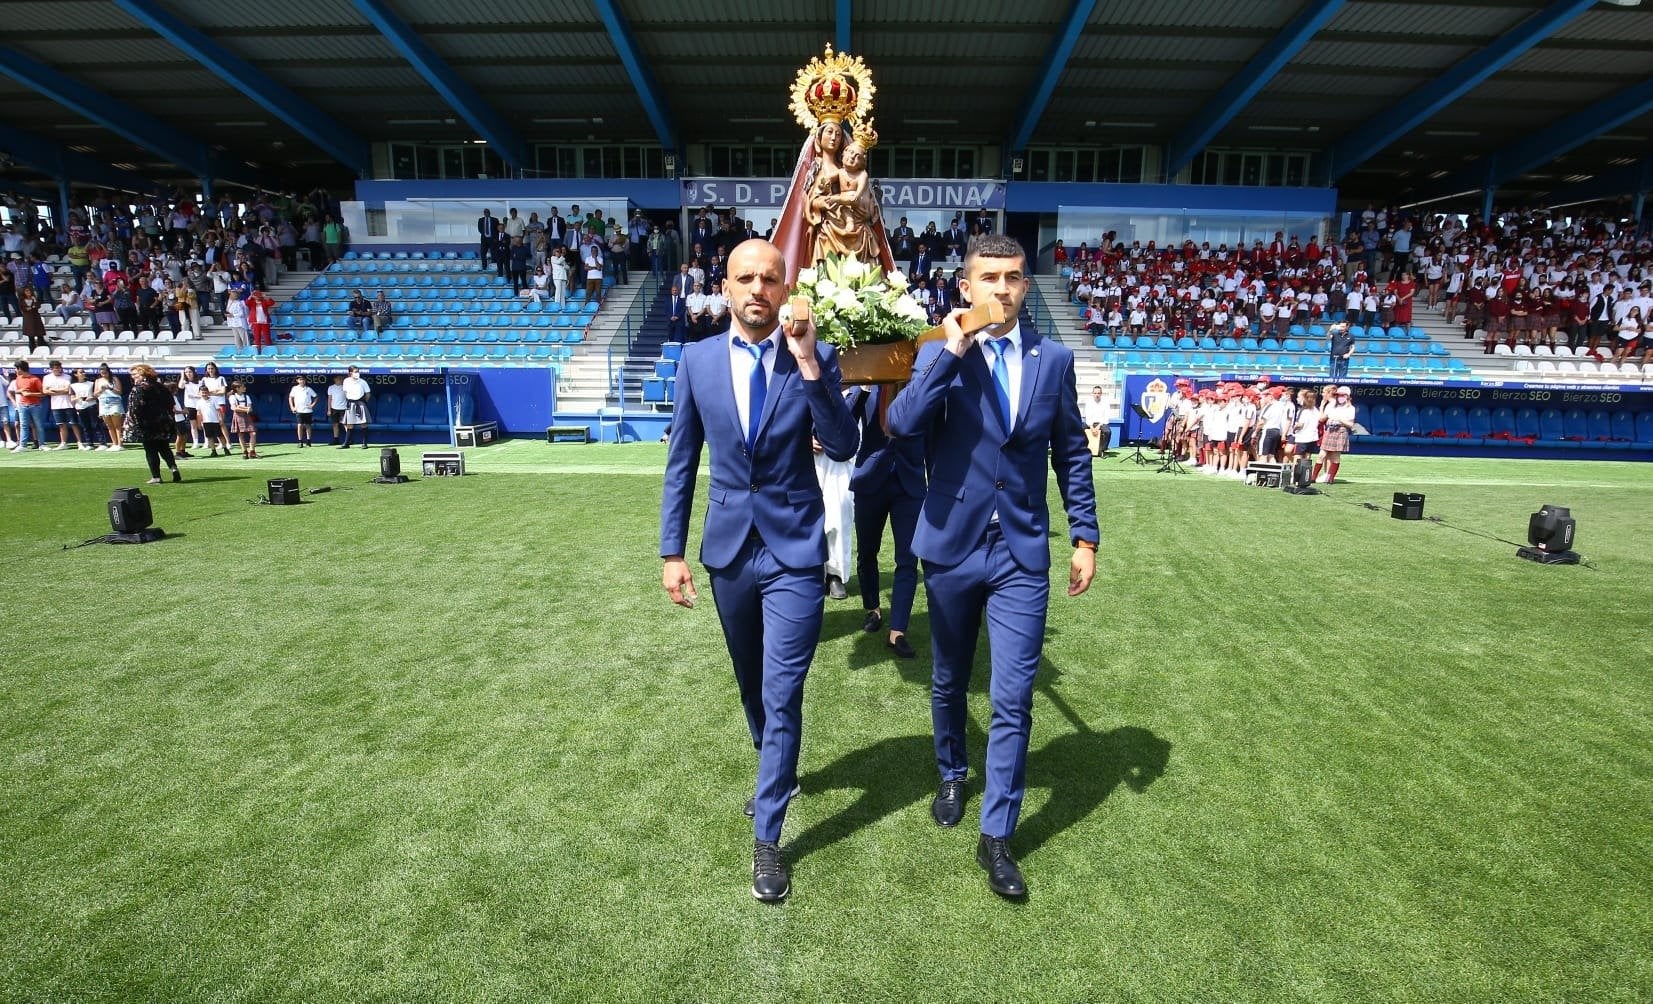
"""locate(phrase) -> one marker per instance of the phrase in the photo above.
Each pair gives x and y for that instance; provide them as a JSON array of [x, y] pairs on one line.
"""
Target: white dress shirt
[[1012, 361], [740, 371]]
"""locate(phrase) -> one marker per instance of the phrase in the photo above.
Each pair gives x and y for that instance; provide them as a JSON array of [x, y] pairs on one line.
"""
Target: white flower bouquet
[[855, 304]]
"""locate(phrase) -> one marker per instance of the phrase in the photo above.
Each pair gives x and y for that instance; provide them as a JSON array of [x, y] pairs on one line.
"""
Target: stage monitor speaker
[[129, 511], [1268, 473], [1406, 505], [1298, 478], [449, 464], [283, 491]]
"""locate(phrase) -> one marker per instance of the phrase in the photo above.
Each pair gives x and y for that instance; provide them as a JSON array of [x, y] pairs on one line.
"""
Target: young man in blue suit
[[757, 395], [998, 411], [888, 484]]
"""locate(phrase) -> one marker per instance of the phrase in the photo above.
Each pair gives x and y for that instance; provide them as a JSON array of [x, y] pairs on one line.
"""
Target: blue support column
[[843, 37], [119, 118], [1369, 138], [642, 78], [1245, 85], [64, 197], [1038, 99], [460, 96], [308, 121], [1486, 203], [206, 190]]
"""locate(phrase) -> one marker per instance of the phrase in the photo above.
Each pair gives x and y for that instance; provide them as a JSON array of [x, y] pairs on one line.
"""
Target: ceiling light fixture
[[931, 121], [1128, 125]]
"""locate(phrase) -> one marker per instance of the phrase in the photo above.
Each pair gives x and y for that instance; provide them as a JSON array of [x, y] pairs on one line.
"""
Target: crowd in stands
[[162, 263], [1524, 279]]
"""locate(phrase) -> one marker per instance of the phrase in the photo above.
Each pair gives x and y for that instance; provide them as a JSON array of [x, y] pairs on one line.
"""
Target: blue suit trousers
[[771, 618], [1016, 602]]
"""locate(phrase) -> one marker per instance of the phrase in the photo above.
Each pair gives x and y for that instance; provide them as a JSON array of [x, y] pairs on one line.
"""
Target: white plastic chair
[[1566, 366], [1522, 350], [1545, 367], [1588, 367], [1542, 350], [146, 336], [127, 336], [1563, 350], [1501, 350], [1523, 366]]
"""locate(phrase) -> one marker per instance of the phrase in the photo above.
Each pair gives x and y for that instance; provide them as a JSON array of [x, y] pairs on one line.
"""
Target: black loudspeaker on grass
[[283, 491], [1407, 505]]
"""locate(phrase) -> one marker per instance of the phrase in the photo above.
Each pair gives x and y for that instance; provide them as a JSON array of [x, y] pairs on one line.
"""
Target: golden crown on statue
[[833, 88], [865, 135]]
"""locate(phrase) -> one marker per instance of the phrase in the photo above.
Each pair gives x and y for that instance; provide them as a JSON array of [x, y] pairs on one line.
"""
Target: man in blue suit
[[998, 410], [888, 484], [758, 395]]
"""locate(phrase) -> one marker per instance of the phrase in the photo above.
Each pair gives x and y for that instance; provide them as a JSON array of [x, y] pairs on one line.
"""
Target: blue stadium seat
[[1623, 427], [574, 337], [1456, 423], [1579, 428], [1271, 345], [1382, 420], [1552, 427], [1644, 428], [1526, 423], [1430, 420], [1397, 332]]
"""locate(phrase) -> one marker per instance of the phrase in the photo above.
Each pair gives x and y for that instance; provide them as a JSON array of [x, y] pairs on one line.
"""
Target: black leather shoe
[[948, 806], [770, 879], [835, 588], [874, 621], [752, 803], [1003, 876], [902, 647]]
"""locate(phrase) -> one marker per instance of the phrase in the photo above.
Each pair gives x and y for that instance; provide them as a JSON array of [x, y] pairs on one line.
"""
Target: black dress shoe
[[948, 806], [874, 621], [902, 647], [752, 803], [1003, 876], [770, 879], [835, 588]]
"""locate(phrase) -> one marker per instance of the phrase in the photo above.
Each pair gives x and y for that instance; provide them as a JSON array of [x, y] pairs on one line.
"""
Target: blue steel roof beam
[[48, 157], [642, 78], [1044, 85], [312, 123], [842, 34], [121, 119], [1571, 132], [460, 96], [1245, 85], [1368, 139]]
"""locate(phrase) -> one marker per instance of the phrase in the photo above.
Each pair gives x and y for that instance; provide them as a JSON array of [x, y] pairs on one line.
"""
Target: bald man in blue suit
[[998, 411], [758, 395]]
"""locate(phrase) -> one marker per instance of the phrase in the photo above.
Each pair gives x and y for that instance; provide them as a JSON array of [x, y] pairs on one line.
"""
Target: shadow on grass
[[1081, 769]]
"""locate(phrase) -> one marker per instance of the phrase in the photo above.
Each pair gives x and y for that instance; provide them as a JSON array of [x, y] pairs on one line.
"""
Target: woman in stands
[[1631, 328], [1340, 422], [1549, 317], [243, 420], [1434, 274], [1406, 291]]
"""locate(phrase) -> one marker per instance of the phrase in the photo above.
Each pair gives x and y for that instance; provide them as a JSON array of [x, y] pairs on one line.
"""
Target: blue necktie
[[1001, 378], [760, 389]]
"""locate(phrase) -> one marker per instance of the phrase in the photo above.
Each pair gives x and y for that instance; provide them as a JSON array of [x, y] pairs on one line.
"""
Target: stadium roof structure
[[1399, 101]]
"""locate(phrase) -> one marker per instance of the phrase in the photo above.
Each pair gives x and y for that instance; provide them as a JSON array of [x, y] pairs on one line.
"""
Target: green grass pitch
[[448, 741]]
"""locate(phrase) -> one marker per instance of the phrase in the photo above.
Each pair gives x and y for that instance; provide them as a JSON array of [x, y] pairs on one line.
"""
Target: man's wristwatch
[[1089, 545]]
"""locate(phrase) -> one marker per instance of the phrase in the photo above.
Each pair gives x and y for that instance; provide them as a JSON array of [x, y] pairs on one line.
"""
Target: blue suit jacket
[[772, 487], [895, 466], [976, 468]]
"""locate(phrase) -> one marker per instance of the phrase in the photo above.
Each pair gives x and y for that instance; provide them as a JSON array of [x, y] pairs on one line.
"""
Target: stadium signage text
[[770, 193]]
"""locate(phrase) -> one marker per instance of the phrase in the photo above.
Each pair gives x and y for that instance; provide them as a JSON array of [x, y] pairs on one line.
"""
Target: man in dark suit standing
[[759, 395], [682, 286], [487, 235], [888, 484], [901, 243], [953, 239], [922, 263], [997, 412]]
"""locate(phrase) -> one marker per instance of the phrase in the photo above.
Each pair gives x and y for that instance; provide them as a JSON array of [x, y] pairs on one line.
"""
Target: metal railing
[[632, 321], [1036, 307]]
